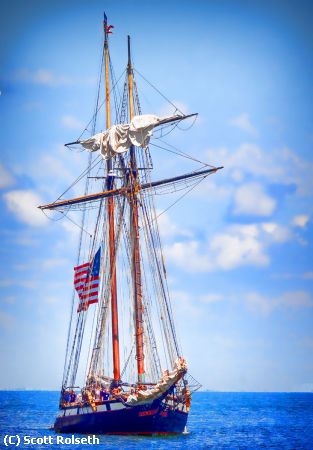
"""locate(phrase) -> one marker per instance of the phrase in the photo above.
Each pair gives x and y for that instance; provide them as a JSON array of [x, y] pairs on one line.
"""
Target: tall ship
[[124, 370]]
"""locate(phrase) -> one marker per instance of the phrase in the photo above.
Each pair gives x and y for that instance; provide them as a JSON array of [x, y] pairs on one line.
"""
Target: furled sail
[[168, 380], [119, 138]]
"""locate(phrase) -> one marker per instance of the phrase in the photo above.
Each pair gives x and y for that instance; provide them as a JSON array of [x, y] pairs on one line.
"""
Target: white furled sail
[[168, 380], [119, 138]]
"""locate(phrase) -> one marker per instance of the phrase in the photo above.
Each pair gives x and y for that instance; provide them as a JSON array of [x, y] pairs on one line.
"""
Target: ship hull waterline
[[147, 419]]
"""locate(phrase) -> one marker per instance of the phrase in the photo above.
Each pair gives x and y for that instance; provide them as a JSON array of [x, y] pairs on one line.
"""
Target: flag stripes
[[86, 282]]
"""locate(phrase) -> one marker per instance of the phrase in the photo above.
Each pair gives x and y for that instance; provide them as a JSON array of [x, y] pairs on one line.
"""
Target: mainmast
[[134, 226], [110, 208]]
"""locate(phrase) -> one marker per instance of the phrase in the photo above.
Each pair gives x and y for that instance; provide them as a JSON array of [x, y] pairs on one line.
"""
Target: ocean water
[[216, 421]]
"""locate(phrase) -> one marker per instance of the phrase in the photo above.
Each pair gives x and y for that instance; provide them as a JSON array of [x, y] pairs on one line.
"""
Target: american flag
[[86, 282]]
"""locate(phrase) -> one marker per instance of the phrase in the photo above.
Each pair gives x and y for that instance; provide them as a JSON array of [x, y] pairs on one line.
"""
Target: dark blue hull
[[153, 418]]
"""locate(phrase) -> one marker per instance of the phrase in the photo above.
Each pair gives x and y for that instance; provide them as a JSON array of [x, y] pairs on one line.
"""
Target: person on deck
[[105, 395], [72, 396], [66, 397], [97, 393]]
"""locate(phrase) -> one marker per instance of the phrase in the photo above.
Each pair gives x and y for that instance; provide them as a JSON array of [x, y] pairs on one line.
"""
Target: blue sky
[[238, 249]]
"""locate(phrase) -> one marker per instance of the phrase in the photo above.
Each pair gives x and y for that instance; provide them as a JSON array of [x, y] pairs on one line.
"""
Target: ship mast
[[134, 226], [110, 209]]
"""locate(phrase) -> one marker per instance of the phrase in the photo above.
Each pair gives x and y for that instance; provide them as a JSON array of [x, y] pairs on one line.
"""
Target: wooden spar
[[127, 191], [82, 199], [134, 223], [111, 208]]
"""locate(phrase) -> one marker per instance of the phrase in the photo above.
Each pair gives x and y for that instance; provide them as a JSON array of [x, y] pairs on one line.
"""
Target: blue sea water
[[216, 421]]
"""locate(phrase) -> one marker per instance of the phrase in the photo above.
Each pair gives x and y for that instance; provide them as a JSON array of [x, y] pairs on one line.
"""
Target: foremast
[[111, 222], [134, 227]]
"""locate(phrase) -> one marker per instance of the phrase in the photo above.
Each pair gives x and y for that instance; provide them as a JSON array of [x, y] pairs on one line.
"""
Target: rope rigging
[[132, 183]]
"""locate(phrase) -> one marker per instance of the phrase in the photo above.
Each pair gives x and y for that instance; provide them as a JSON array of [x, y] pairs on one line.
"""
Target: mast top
[[129, 65], [107, 28]]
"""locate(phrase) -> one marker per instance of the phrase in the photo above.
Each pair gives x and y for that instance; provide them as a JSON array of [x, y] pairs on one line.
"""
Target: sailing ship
[[122, 342]]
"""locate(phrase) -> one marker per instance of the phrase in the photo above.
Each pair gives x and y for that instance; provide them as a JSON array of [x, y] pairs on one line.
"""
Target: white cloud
[[240, 245], [188, 256], [72, 122], [276, 233], [259, 303], [300, 220], [6, 178], [24, 205], [250, 199], [281, 165], [236, 246], [243, 123]]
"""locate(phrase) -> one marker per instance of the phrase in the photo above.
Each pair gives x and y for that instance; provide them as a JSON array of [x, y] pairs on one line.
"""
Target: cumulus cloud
[[300, 220], [243, 122], [238, 245], [251, 199], [6, 178], [23, 204]]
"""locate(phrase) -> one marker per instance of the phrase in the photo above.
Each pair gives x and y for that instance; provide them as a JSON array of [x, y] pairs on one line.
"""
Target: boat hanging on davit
[[124, 369]]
